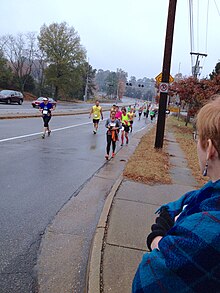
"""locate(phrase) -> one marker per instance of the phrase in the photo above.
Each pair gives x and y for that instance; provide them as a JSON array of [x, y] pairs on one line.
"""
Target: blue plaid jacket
[[188, 259]]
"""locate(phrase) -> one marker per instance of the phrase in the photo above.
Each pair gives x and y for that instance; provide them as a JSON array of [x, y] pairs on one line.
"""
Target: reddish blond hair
[[208, 123]]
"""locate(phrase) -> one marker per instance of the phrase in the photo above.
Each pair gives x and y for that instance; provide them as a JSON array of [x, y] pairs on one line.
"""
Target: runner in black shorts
[[131, 116], [125, 126], [96, 113], [45, 108]]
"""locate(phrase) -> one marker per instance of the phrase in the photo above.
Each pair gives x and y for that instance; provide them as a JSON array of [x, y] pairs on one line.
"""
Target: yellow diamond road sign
[[159, 78]]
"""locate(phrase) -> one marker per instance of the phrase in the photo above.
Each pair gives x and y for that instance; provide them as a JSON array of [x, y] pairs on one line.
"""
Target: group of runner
[[119, 122], [148, 111]]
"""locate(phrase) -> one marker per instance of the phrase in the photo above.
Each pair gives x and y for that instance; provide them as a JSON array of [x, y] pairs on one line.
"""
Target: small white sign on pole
[[163, 87]]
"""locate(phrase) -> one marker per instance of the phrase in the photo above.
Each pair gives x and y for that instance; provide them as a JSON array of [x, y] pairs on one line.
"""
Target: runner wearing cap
[[45, 108]]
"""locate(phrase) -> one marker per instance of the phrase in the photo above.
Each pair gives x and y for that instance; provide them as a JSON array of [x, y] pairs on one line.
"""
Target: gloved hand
[[162, 224]]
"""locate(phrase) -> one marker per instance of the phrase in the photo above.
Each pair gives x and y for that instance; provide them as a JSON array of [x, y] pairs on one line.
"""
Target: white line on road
[[146, 125], [38, 133], [54, 130], [141, 129]]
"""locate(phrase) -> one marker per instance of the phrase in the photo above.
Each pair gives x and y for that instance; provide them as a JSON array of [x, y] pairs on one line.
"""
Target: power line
[[207, 21], [196, 68], [217, 8], [191, 29], [197, 25]]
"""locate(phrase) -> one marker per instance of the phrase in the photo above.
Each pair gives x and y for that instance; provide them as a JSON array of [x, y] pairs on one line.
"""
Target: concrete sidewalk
[[120, 239]]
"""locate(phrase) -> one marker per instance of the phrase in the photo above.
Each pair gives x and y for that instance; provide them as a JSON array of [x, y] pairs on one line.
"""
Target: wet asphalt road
[[37, 178]]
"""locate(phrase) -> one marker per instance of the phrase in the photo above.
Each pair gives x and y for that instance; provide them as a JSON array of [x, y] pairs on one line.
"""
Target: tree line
[[116, 85], [52, 63]]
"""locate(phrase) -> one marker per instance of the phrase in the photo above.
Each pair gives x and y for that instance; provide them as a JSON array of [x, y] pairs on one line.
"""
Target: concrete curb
[[38, 115], [21, 116], [95, 257], [93, 280]]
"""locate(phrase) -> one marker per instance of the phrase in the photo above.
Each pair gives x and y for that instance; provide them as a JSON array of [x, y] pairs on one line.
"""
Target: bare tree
[[20, 51], [38, 70]]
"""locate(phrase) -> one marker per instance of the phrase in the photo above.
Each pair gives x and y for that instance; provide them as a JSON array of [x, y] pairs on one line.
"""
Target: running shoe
[[43, 136], [127, 141], [122, 144], [49, 132], [113, 155], [107, 157], [94, 131]]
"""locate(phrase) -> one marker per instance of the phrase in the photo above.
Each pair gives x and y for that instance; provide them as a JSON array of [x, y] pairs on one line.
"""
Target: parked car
[[37, 102], [9, 96]]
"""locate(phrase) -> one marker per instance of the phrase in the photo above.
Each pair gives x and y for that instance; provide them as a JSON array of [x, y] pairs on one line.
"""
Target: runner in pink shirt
[[118, 113]]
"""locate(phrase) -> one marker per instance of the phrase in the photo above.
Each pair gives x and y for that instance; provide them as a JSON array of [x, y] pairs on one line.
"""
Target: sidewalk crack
[[138, 201], [128, 247]]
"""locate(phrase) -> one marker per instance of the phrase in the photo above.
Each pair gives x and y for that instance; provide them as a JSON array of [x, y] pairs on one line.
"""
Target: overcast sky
[[124, 34]]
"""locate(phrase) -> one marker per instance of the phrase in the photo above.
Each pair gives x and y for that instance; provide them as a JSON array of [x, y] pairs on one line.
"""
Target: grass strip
[[147, 164]]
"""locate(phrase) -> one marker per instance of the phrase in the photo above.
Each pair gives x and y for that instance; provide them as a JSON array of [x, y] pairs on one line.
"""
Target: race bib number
[[45, 112], [122, 128], [95, 115], [112, 124]]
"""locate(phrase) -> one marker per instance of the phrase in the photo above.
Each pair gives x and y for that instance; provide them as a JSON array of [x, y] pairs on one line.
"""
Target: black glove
[[162, 224]]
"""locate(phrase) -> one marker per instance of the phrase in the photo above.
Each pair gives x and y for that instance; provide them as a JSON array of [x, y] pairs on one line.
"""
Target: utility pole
[[196, 67], [165, 74], [86, 89], [179, 68], [117, 97], [87, 81]]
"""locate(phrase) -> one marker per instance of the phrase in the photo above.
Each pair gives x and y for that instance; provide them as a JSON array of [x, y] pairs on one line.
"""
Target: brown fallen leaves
[[151, 166], [147, 164]]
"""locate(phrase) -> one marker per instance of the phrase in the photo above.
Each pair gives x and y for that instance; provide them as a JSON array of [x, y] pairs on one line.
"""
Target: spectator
[[185, 240]]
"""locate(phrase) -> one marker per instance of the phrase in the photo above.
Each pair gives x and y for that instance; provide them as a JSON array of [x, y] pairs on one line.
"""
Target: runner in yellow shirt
[[96, 113], [125, 126], [131, 116]]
